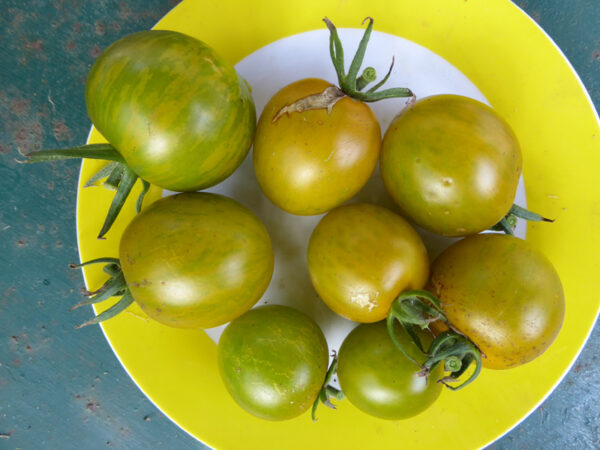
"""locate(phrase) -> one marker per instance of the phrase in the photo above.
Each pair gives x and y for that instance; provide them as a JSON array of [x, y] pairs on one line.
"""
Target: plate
[[488, 50]]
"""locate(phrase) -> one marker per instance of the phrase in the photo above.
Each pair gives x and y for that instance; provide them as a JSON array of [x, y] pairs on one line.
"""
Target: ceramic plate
[[491, 51]]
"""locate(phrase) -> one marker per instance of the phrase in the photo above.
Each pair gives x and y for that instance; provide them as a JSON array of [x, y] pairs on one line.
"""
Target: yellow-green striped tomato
[[452, 165], [361, 256], [273, 361], [196, 260], [178, 113]]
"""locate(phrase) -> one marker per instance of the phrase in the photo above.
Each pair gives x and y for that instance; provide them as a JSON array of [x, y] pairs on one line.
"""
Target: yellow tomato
[[361, 256], [311, 161]]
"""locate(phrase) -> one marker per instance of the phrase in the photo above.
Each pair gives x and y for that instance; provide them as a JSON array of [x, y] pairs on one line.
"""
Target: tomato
[[503, 294], [311, 161], [361, 256], [273, 361], [452, 165], [196, 260], [175, 110], [379, 380]]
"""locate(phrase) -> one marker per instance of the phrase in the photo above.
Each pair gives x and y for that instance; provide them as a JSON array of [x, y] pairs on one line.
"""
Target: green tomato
[[501, 293], [273, 361], [361, 256], [176, 111], [379, 380], [196, 260], [451, 164]]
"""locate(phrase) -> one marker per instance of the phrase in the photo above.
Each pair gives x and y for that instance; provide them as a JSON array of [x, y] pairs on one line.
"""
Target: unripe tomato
[[361, 256], [273, 361], [175, 110], [379, 380], [311, 161], [501, 293], [452, 165], [196, 260]]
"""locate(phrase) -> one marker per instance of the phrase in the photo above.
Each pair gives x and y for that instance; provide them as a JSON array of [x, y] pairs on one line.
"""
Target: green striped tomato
[[196, 260], [176, 111], [273, 361]]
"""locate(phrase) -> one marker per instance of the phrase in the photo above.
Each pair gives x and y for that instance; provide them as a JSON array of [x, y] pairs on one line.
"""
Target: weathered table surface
[[65, 389]]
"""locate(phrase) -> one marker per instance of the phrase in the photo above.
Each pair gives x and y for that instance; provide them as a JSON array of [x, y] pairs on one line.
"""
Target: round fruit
[[311, 161], [273, 361], [379, 380], [175, 110], [196, 260], [501, 293], [361, 256], [452, 165]]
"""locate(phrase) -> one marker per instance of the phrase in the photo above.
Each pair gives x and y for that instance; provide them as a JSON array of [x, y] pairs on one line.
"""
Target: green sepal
[[413, 308], [117, 174], [328, 392], [457, 351], [115, 286], [349, 83], [121, 305], [140, 199], [90, 151], [126, 183], [101, 174], [508, 223]]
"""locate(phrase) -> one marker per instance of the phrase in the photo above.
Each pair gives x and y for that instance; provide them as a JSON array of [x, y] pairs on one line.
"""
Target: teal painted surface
[[61, 388]]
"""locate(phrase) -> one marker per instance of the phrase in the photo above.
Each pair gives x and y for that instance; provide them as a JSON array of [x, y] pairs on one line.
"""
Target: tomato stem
[[458, 353], [328, 392], [368, 75], [508, 223], [350, 83]]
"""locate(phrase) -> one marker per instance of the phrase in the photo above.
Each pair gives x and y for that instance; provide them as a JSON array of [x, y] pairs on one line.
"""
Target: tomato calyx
[[115, 286], [458, 353], [421, 308], [328, 392], [409, 310], [508, 223], [119, 176], [351, 83]]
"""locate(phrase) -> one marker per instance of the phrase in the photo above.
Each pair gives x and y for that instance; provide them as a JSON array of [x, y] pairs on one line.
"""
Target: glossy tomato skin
[[178, 113], [452, 165], [311, 161], [273, 361], [503, 294], [379, 380], [361, 256], [196, 260]]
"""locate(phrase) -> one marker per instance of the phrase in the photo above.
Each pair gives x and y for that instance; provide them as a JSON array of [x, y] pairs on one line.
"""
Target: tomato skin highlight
[[452, 165], [361, 256], [196, 260], [176, 111], [312, 161], [502, 294], [273, 361], [379, 380]]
